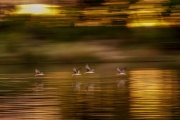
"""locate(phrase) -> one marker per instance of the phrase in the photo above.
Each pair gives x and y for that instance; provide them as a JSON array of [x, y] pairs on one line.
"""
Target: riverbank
[[87, 52], [36, 44]]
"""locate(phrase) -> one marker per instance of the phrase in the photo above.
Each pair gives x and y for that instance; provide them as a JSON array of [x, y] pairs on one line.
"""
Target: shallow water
[[149, 91]]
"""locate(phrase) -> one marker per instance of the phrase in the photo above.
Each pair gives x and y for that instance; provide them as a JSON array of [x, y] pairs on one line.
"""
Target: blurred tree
[[170, 6], [6, 8], [89, 3], [133, 1], [175, 2]]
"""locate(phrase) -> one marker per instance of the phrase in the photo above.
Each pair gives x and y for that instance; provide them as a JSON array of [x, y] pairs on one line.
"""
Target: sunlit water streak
[[145, 93], [151, 92]]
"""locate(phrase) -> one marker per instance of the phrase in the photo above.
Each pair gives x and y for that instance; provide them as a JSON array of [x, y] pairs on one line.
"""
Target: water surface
[[149, 91]]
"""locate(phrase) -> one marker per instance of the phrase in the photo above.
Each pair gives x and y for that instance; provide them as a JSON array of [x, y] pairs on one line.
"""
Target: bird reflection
[[39, 86], [77, 86], [121, 83], [89, 87]]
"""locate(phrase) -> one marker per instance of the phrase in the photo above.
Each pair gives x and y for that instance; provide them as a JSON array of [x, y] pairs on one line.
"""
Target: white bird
[[38, 73], [76, 72], [88, 69], [121, 71]]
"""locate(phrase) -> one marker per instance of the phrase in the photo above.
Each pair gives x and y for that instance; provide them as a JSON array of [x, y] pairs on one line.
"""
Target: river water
[[149, 91]]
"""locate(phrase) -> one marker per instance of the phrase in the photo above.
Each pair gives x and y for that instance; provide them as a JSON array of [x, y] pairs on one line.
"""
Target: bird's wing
[[37, 71], [78, 70], [124, 69], [119, 70], [74, 70], [87, 67]]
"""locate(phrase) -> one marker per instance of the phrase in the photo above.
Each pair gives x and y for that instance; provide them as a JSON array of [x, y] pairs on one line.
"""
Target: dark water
[[149, 91]]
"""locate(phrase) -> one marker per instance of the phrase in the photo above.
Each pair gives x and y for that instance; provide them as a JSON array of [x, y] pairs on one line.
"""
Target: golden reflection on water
[[147, 94], [151, 93]]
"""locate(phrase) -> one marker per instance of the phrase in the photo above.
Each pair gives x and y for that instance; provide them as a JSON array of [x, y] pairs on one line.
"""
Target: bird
[[76, 72], [121, 71], [88, 69], [38, 72]]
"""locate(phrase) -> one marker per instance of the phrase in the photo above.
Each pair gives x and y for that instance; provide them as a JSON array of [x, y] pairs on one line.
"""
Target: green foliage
[[175, 2], [77, 33]]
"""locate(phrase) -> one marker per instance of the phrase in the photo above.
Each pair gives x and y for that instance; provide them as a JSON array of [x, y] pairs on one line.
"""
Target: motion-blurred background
[[66, 31]]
